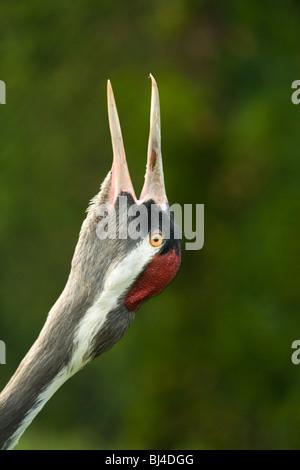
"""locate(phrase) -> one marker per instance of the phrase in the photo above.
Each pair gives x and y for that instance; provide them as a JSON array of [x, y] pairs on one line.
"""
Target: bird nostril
[[153, 160]]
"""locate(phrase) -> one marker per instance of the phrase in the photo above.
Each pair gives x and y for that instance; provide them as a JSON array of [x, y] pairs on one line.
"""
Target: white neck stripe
[[117, 283]]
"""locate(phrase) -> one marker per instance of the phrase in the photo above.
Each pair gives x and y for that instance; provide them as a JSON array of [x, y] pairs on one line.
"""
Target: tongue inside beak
[[154, 186], [120, 178]]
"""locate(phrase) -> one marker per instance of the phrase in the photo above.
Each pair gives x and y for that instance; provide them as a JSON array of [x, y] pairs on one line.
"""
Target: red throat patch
[[158, 274]]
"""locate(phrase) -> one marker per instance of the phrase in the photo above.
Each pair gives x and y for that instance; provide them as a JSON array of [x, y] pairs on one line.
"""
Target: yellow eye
[[156, 239]]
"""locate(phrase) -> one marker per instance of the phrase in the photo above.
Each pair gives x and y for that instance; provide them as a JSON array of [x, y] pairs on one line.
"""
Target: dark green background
[[207, 364]]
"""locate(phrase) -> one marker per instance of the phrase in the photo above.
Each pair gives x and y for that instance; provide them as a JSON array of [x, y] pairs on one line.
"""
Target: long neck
[[78, 329], [25, 395], [88, 319], [43, 370]]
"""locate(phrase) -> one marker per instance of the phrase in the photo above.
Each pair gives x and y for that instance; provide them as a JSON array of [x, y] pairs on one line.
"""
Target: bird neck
[[24, 397], [46, 366], [42, 371], [88, 319], [79, 327]]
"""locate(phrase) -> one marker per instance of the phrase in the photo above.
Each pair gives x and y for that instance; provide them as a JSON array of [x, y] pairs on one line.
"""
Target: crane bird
[[109, 279]]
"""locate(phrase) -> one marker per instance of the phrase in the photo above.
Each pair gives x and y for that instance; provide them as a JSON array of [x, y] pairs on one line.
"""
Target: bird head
[[129, 249]]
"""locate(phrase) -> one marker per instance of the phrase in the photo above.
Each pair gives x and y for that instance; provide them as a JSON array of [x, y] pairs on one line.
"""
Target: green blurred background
[[207, 364]]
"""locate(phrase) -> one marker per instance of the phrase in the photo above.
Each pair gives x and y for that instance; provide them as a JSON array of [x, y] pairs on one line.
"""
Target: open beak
[[154, 186]]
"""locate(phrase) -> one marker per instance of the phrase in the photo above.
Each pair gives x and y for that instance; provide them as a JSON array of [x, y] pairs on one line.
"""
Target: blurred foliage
[[207, 363]]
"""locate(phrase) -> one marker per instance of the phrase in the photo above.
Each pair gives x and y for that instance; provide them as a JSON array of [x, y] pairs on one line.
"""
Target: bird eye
[[156, 239]]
